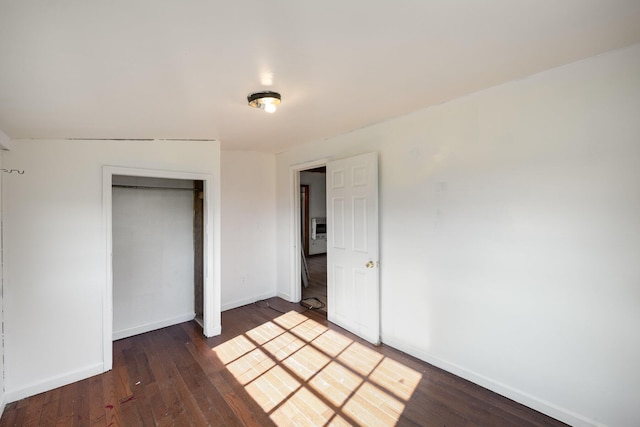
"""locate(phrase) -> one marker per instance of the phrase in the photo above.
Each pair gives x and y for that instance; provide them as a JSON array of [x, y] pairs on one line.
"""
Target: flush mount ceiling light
[[267, 101]]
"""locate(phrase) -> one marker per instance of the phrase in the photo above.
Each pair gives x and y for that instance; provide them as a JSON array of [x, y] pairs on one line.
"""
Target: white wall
[[248, 234], [153, 259], [55, 251], [5, 141], [317, 183], [510, 236]]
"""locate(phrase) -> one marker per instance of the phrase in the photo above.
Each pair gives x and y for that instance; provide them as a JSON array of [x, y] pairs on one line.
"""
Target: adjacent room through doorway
[[313, 230]]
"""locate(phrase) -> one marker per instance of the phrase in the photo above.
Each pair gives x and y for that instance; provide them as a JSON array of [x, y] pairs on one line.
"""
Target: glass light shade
[[269, 107], [267, 101]]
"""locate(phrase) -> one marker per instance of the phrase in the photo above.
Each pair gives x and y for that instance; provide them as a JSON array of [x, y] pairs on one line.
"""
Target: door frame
[[211, 256], [304, 227], [295, 271]]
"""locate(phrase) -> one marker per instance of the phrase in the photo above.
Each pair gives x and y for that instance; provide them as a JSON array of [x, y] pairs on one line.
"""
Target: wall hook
[[12, 171]]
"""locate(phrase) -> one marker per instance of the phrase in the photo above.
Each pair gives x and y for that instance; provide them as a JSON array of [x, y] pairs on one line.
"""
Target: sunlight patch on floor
[[306, 362], [336, 382], [303, 408], [265, 333], [360, 358], [231, 350], [284, 346], [302, 373], [395, 377], [250, 366]]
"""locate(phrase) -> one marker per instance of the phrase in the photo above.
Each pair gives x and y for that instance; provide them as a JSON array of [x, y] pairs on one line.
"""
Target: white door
[[352, 245]]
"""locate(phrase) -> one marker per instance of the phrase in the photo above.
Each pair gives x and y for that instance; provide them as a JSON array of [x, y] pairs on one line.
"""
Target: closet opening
[[157, 253], [210, 235]]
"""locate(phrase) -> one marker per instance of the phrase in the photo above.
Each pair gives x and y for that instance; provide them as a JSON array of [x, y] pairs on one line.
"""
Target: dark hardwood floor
[[267, 368], [317, 265]]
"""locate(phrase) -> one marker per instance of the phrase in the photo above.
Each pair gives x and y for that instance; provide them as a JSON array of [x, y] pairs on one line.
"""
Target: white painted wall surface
[[5, 141], [510, 236], [153, 278], [317, 193], [55, 251], [248, 234]]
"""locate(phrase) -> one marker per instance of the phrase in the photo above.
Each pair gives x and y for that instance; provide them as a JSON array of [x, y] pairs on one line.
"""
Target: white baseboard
[[124, 333], [285, 296], [52, 382], [519, 396], [245, 301]]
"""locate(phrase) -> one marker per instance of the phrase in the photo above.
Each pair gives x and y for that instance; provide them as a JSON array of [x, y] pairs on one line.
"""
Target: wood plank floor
[[317, 265], [267, 368]]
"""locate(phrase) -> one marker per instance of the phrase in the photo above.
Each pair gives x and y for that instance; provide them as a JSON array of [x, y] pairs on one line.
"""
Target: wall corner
[[5, 142]]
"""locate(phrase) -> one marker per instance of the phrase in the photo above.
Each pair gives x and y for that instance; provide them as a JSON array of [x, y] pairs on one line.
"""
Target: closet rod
[[142, 187]]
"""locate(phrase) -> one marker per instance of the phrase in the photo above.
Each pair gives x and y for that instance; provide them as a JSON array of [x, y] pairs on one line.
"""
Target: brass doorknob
[[370, 264]]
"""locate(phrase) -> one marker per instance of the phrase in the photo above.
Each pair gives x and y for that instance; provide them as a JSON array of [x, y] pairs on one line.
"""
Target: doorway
[[210, 249], [157, 253], [353, 292], [313, 213]]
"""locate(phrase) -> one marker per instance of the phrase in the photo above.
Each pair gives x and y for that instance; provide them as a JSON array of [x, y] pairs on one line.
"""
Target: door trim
[[305, 226], [295, 273], [211, 289]]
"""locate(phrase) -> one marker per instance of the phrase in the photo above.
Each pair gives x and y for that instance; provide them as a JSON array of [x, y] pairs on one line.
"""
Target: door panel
[[360, 225], [352, 248], [338, 223]]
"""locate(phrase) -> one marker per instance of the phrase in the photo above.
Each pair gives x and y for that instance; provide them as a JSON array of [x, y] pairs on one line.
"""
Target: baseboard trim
[[540, 405], [285, 296], [53, 382], [125, 333], [245, 301]]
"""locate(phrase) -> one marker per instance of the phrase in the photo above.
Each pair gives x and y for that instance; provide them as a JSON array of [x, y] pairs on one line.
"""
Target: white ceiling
[[182, 69]]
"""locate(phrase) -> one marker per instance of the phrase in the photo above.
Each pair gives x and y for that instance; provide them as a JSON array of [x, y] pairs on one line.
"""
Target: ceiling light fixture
[[267, 101]]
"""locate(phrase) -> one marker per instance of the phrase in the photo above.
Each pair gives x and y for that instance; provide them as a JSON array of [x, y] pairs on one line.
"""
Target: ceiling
[[169, 69]]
